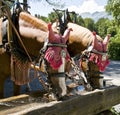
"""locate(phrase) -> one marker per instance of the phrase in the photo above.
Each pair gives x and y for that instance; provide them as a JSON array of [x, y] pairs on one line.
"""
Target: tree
[[45, 19], [112, 29], [52, 17], [80, 20], [89, 23], [101, 26], [113, 7]]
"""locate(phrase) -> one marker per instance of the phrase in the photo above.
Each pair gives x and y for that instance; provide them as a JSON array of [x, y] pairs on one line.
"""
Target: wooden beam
[[87, 104], [14, 98]]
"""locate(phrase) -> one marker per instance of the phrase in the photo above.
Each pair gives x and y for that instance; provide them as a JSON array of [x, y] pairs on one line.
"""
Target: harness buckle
[[104, 57]]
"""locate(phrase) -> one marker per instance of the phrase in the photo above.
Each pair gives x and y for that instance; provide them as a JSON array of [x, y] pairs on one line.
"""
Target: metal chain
[[77, 70]]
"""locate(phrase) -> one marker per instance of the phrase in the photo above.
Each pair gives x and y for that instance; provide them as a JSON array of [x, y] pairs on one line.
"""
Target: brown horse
[[35, 36], [79, 41], [29, 34]]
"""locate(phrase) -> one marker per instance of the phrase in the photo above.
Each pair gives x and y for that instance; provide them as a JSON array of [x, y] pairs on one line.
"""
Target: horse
[[26, 36], [5, 56], [94, 62]]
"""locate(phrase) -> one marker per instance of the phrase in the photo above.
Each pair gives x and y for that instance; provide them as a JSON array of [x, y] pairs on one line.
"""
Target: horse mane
[[35, 22]]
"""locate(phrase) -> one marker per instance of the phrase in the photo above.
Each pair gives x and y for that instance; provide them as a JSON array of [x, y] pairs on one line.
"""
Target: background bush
[[114, 49]]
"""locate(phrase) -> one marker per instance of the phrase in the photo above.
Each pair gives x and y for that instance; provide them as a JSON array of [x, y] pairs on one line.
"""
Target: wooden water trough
[[89, 103]]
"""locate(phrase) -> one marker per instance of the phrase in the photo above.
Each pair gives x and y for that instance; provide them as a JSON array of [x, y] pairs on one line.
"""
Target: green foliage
[[113, 7], [52, 17], [102, 26], [80, 21], [89, 23], [43, 18], [114, 49]]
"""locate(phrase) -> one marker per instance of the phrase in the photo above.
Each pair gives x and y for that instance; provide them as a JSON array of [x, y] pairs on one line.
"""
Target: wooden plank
[[87, 104], [14, 98]]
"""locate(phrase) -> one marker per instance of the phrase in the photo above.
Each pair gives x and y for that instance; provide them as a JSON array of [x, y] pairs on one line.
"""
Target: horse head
[[99, 52], [57, 57]]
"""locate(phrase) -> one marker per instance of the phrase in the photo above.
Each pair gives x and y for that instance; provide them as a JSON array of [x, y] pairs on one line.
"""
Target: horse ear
[[94, 39], [106, 40], [66, 34], [49, 26], [51, 33], [94, 33]]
